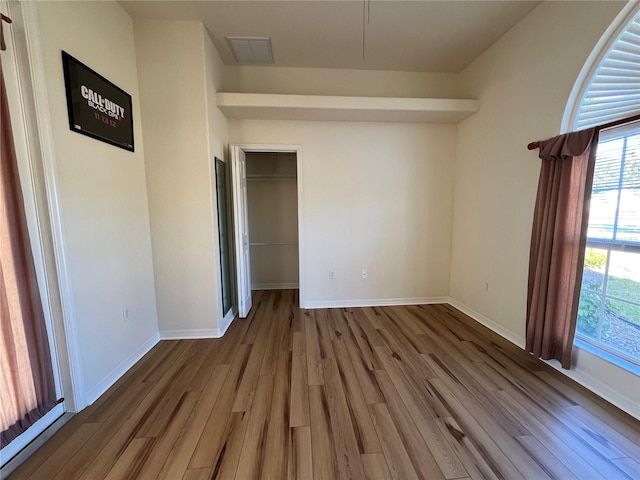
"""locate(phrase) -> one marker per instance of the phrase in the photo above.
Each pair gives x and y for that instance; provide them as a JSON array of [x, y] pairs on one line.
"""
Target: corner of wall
[[218, 131], [178, 163], [489, 323]]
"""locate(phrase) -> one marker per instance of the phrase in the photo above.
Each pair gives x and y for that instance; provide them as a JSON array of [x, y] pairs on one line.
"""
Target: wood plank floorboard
[[404, 392]]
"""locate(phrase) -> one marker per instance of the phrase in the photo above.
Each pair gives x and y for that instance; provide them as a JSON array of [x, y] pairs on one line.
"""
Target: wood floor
[[364, 393]]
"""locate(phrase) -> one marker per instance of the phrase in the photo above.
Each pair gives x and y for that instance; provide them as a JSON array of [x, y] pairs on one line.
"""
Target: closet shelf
[[263, 106]]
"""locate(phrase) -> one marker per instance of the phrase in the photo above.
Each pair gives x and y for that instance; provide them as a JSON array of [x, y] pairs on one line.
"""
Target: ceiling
[[414, 36]]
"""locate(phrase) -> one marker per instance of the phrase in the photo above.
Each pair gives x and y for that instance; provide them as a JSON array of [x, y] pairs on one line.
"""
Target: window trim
[[615, 358], [596, 346], [569, 122]]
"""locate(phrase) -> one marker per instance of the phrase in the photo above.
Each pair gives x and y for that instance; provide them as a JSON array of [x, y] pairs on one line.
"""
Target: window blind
[[614, 89], [615, 201]]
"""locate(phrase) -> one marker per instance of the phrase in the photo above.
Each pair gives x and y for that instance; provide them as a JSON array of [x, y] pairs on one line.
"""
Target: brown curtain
[[558, 242], [27, 390]]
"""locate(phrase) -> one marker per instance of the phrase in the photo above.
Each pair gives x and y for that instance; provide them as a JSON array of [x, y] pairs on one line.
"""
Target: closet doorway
[[267, 220]]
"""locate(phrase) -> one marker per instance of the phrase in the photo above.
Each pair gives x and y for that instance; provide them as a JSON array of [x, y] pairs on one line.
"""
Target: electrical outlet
[[125, 315], [365, 274], [332, 274]]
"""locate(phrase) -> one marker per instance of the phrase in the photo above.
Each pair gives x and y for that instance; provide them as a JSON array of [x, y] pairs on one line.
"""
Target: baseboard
[[274, 286], [226, 321], [102, 386], [374, 302], [189, 334], [13, 454], [600, 388], [195, 333], [585, 379], [8, 467], [490, 324]]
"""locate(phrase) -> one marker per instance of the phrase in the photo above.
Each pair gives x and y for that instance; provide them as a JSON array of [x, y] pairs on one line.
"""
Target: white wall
[[182, 131], [375, 196], [103, 200], [218, 135], [523, 82], [325, 81]]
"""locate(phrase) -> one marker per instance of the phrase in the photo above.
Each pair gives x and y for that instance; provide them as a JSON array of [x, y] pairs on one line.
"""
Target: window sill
[[609, 357]]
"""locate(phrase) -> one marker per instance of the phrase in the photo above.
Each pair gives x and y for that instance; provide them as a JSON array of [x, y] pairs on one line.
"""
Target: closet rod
[[262, 244], [270, 177]]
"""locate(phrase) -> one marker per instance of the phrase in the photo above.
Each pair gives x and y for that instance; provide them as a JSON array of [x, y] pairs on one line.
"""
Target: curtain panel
[[558, 243], [27, 390]]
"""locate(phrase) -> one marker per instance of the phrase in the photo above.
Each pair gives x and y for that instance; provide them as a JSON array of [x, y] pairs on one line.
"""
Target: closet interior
[[272, 204]]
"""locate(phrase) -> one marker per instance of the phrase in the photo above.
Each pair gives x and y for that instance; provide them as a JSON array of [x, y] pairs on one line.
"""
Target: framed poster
[[97, 108]]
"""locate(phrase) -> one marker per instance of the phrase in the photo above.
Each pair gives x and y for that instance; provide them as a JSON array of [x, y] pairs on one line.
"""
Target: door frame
[[241, 230], [275, 148], [25, 78]]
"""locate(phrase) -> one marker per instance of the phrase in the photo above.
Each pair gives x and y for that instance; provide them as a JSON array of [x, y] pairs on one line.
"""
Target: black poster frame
[[103, 112]]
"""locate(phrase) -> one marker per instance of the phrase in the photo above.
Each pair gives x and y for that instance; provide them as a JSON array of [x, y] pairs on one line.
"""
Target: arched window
[[607, 90], [608, 87]]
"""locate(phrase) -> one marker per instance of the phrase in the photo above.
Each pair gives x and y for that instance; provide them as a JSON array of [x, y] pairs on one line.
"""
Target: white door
[[241, 226]]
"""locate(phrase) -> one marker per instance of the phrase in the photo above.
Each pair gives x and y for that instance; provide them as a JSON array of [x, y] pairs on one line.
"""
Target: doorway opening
[[267, 220]]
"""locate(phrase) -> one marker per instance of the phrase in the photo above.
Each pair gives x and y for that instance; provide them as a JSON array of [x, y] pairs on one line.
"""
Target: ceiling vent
[[251, 49]]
